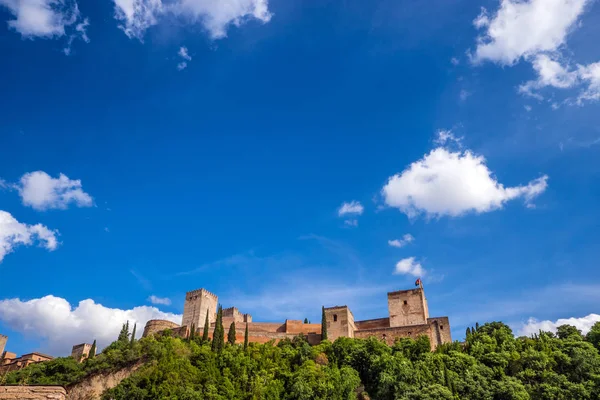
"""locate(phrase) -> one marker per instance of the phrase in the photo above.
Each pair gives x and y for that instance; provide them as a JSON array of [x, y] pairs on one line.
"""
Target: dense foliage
[[490, 365]]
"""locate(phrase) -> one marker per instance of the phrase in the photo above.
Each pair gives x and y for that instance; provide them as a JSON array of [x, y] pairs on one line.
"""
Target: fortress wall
[[297, 327], [157, 325], [373, 323], [407, 307], [440, 330], [32, 393], [389, 335]]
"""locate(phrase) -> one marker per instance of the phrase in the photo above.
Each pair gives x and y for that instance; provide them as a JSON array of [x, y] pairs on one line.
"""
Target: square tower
[[408, 307], [81, 351], [3, 340], [197, 304], [340, 322]]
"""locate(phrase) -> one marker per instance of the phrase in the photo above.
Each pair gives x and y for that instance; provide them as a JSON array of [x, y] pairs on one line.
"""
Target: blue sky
[[279, 153]]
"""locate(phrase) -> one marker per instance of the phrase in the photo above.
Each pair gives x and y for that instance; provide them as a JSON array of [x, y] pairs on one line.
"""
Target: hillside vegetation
[[490, 365]]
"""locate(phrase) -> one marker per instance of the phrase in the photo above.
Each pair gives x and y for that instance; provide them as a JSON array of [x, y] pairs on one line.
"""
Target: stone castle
[[408, 317]]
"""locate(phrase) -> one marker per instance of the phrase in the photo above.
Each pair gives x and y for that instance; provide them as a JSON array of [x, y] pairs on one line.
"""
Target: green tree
[[306, 320], [246, 337], [593, 336], [206, 328], [192, 332], [568, 332], [231, 334], [219, 333], [323, 325], [92, 352], [124, 334], [133, 334]]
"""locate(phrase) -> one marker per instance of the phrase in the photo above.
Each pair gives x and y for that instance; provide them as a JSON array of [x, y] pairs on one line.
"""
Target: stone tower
[[3, 340], [197, 303], [340, 322], [408, 307]]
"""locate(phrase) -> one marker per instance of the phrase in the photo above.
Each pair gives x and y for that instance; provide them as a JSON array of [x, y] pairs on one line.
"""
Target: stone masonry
[[408, 317], [32, 393], [81, 351], [3, 340]]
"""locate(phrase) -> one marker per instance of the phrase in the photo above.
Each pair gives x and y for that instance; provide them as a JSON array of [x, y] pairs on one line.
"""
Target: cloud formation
[[14, 234], [406, 239], [42, 192], [136, 16], [159, 300], [183, 53], [353, 207], [44, 18], [453, 183], [409, 266], [584, 324], [61, 325], [520, 29], [536, 31]]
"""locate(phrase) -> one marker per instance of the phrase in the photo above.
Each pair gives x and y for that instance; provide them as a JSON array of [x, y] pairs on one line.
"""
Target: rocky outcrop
[[92, 387]]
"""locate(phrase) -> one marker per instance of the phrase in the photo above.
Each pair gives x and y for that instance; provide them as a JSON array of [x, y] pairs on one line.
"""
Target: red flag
[[418, 282]]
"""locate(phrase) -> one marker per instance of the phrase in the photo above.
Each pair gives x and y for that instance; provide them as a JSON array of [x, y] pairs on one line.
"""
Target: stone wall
[[32, 393], [92, 387], [389, 335], [81, 351], [440, 330], [407, 307], [158, 325], [3, 340], [373, 323]]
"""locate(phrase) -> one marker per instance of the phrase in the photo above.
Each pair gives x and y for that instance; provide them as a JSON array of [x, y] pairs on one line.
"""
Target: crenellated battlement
[[199, 292]]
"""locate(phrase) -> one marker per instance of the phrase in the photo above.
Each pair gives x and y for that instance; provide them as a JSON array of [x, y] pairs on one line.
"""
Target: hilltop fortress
[[408, 317]]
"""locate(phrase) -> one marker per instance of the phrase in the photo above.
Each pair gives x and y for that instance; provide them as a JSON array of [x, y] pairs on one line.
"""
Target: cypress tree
[[192, 332], [133, 334], [323, 325], [468, 333], [246, 337], [124, 334], [306, 320], [476, 326], [231, 333], [219, 332], [206, 328], [92, 352]]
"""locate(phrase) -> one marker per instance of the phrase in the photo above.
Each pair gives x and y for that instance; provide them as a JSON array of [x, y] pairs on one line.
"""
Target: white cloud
[[550, 73], [215, 16], [14, 233], [446, 135], [353, 207], [183, 53], [41, 18], [527, 108], [61, 325], [524, 28], [80, 32], [533, 326], [409, 266], [590, 74], [406, 239], [351, 222], [159, 300], [40, 191], [454, 61], [446, 183]]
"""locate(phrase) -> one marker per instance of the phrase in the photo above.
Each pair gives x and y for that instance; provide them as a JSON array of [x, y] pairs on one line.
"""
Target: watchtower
[[3, 340], [340, 322], [408, 307], [197, 304]]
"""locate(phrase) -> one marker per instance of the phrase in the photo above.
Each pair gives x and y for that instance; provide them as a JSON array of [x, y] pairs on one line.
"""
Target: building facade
[[10, 362], [81, 351], [407, 309]]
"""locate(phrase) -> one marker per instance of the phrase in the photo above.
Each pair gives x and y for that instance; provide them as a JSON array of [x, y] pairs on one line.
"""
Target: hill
[[490, 365]]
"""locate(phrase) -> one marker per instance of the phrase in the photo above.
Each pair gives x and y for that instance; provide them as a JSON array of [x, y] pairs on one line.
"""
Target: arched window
[[334, 317]]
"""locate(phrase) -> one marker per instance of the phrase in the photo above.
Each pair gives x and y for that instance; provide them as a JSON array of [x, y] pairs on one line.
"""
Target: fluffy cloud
[[40, 191], [159, 300], [353, 207], [215, 16], [14, 233], [60, 325], [447, 183], [42, 18], [406, 239], [525, 28], [534, 326], [409, 266]]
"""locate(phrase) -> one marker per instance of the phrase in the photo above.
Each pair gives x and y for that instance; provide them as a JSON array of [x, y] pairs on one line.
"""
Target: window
[[334, 317], [405, 302], [442, 327], [409, 333]]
